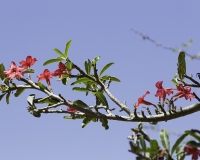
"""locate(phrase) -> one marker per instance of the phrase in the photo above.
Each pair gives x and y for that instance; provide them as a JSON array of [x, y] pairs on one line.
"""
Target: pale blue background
[[96, 28]]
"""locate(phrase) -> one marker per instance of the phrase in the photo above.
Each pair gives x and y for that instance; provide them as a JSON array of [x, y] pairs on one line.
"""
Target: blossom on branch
[[45, 75], [28, 63], [61, 70], [162, 92], [183, 92], [195, 152], [14, 71], [142, 101], [71, 109]]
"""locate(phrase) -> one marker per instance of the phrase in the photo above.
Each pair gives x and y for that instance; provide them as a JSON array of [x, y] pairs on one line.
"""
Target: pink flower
[[28, 63], [46, 75], [183, 92], [142, 101], [61, 70], [14, 71], [162, 92], [71, 109], [192, 151]]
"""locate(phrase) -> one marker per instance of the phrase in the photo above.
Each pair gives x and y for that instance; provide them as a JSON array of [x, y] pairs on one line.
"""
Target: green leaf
[[154, 148], [180, 153], [181, 65], [75, 117], [36, 113], [101, 97], [86, 121], [2, 75], [165, 139], [46, 100], [94, 120], [85, 79], [30, 99], [80, 103], [66, 80], [80, 89], [142, 142], [88, 66], [19, 91], [193, 134], [30, 70], [59, 53], [111, 78], [95, 60], [193, 144], [175, 79], [178, 141], [67, 48], [104, 123], [7, 97], [53, 61], [69, 66], [105, 68], [1, 96], [41, 85]]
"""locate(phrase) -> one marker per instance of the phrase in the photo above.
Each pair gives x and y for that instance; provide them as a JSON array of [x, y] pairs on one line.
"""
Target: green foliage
[[7, 97], [80, 89], [143, 143], [59, 59], [105, 68], [65, 80], [67, 48], [69, 66], [74, 117], [86, 121], [35, 113], [178, 142], [59, 53], [175, 79], [19, 91], [164, 137], [110, 78], [30, 99], [30, 70], [84, 79], [2, 95], [80, 104], [104, 123], [181, 65], [101, 97], [41, 85], [88, 66], [95, 60], [2, 75]]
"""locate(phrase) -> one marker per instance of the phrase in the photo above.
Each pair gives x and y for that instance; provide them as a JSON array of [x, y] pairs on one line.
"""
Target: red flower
[[192, 151], [46, 75], [61, 70], [28, 63], [183, 92], [71, 109], [14, 71], [142, 101], [162, 92]]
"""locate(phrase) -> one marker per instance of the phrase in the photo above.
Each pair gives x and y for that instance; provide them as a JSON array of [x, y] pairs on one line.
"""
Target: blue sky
[[97, 28]]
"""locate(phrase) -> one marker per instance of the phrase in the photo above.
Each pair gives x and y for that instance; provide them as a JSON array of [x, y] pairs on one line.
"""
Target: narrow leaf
[[193, 134], [69, 66], [75, 117], [101, 97], [111, 78], [29, 71], [105, 68], [80, 103], [143, 143], [30, 99], [85, 79], [1, 96], [180, 153], [19, 91], [66, 80], [154, 148], [59, 53], [41, 85], [178, 141], [104, 123], [193, 144], [80, 89], [7, 97], [86, 121], [95, 60], [181, 65], [67, 48], [53, 61], [88, 66], [165, 139]]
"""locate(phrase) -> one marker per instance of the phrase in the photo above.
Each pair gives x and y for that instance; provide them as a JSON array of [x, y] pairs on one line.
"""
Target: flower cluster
[[163, 92], [195, 152]]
